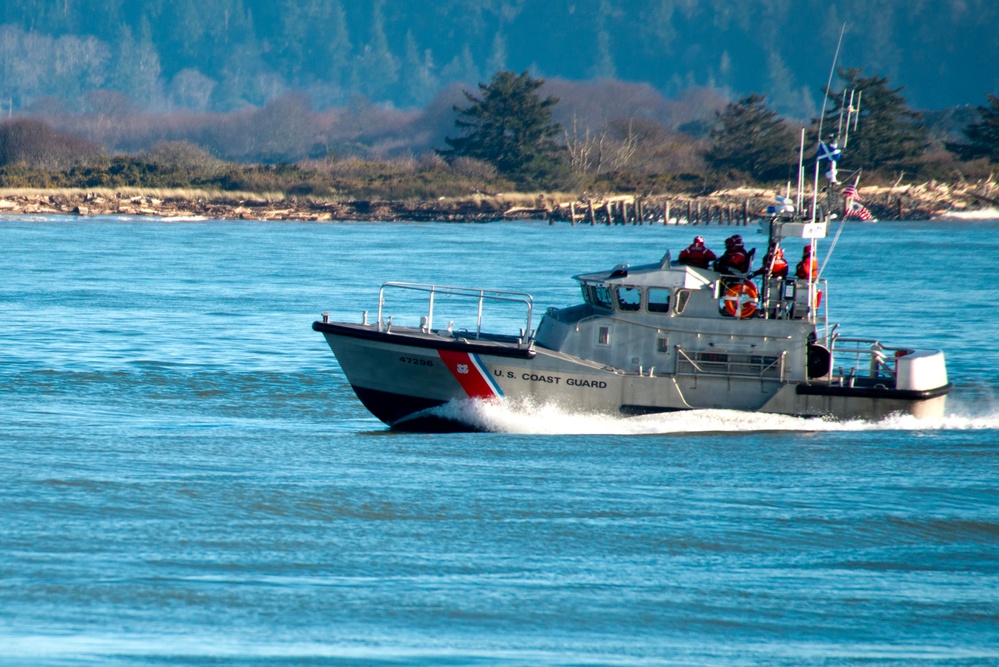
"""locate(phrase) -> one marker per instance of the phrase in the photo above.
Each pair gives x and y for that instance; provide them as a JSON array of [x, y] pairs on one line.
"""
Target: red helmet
[[698, 240]]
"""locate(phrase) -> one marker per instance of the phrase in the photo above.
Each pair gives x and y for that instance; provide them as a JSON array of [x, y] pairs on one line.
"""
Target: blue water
[[187, 478]]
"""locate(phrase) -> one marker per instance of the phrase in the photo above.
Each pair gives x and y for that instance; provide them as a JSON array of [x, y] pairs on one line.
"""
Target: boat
[[643, 339], [653, 338]]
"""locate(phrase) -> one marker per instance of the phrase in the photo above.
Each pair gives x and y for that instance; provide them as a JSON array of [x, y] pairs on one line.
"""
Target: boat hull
[[401, 376]]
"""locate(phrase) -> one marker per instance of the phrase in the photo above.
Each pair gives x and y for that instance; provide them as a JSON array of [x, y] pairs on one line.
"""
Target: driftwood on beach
[[733, 207], [741, 206], [255, 208]]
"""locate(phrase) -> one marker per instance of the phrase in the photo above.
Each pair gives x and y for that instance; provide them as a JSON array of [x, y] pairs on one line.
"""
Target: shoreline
[[927, 201]]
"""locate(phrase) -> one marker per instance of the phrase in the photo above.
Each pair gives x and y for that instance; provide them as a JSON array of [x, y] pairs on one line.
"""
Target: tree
[[983, 135], [888, 132], [510, 126], [751, 138]]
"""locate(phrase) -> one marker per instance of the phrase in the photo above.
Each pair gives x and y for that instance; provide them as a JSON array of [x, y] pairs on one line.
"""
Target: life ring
[[741, 300]]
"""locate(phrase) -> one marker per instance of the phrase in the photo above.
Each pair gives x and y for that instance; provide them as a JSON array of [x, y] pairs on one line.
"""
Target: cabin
[[674, 319]]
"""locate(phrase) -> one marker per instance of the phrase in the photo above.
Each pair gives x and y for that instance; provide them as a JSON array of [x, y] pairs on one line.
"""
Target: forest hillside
[[224, 55]]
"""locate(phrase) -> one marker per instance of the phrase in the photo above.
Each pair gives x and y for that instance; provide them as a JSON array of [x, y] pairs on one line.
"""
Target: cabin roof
[[652, 275]]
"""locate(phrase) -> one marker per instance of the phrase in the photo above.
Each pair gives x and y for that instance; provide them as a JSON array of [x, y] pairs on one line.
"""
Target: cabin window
[[601, 296], [658, 300], [682, 296], [662, 345], [629, 298], [603, 336]]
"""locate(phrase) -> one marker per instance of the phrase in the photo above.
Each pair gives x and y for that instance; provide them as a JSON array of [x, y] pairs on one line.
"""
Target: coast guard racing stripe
[[473, 377]]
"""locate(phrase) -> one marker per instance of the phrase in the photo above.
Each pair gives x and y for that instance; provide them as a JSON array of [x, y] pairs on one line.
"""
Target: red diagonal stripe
[[471, 380]]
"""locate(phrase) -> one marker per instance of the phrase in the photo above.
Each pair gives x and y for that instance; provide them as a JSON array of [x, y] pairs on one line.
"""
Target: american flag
[[858, 211], [850, 192]]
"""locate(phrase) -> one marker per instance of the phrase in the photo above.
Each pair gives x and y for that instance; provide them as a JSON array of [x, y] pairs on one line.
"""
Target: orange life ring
[[741, 300]]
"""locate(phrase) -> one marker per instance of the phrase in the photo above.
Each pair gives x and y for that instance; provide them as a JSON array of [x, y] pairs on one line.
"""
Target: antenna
[[843, 107], [801, 171], [822, 116], [849, 119]]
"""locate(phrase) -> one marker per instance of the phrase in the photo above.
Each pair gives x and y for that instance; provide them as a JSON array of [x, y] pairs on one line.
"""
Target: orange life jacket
[[805, 266]]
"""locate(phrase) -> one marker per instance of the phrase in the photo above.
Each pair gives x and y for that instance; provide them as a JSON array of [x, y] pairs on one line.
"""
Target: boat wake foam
[[552, 419], [981, 214]]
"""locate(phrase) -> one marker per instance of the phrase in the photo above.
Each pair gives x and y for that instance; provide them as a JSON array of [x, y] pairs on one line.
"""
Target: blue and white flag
[[829, 152]]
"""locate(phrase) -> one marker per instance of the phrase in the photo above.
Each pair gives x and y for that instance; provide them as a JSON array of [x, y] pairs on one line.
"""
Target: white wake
[[552, 419], [982, 214]]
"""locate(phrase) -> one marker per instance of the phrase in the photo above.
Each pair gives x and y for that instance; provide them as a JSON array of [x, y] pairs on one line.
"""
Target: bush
[[37, 145], [474, 169], [184, 155]]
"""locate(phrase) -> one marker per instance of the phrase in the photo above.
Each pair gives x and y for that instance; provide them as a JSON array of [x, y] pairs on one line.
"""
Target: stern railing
[[865, 359]]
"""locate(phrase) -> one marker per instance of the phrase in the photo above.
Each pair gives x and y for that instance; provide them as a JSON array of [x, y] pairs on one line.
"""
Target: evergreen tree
[[314, 42], [377, 69], [135, 67], [418, 73], [752, 139], [983, 135], [888, 132], [510, 126]]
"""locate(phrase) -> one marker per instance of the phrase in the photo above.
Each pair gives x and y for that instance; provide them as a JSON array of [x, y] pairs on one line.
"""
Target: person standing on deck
[[735, 260], [774, 261], [808, 268]]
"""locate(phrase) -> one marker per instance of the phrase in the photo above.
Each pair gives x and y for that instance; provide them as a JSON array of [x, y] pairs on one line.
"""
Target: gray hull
[[401, 375]]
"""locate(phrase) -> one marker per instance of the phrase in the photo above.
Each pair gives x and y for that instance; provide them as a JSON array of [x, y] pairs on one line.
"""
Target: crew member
[[697, 254], [776, 262], [736, 260], [808, 268]]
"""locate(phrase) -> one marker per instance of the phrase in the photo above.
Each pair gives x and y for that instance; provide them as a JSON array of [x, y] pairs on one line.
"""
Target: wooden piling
[[592, 215], [666, 213], [745, 212], [572, 213]]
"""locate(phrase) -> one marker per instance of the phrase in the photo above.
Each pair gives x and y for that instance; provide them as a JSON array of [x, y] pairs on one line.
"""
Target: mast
[[801, 172], [822, 116]]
